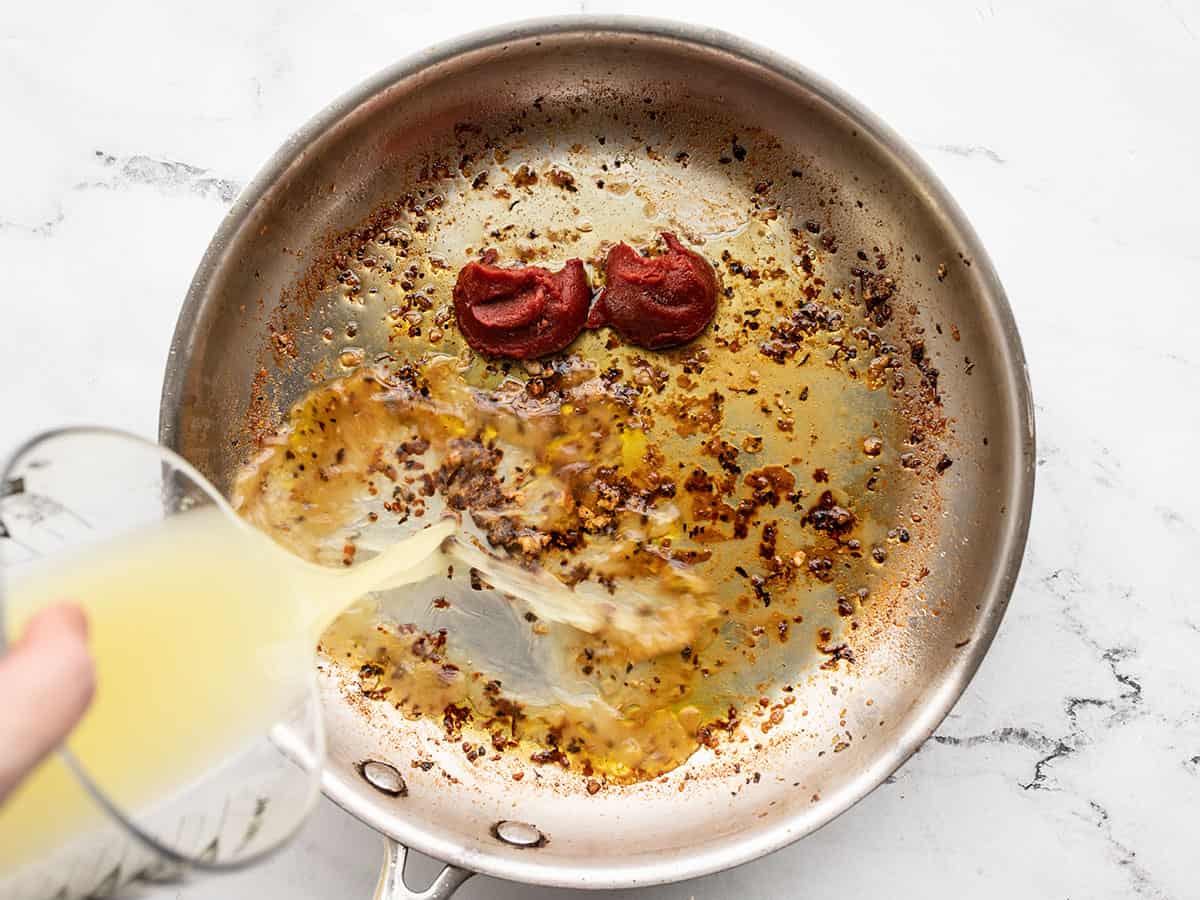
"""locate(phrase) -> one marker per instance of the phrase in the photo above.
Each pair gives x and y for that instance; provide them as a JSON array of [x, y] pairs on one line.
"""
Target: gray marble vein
[[163, 174], [972, 151]]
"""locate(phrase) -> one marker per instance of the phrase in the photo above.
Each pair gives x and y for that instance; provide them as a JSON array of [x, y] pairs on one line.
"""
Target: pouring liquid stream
[[204, 632]]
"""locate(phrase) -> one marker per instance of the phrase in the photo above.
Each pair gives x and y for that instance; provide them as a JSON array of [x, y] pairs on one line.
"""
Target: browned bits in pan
[[758, 457]]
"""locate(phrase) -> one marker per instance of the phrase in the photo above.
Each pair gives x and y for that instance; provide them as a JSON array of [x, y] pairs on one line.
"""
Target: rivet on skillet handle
[[391, 880]]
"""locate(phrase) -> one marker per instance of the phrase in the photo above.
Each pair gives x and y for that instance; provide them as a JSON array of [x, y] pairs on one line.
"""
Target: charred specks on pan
[[740, 483], [828, 517], [836, 653], [562, 179], [454, 718], [551, 755], [876, 291], [929, 372], [736, 151], [789, 336], [524, 177]]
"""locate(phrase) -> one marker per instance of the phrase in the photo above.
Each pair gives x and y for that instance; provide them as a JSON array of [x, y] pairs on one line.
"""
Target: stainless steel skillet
[[248, 340]]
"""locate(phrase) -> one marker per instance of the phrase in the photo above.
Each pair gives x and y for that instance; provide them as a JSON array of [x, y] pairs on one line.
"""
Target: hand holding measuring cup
[[203, 747]]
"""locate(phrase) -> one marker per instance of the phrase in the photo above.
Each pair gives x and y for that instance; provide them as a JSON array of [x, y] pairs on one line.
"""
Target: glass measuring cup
[[204, 745]]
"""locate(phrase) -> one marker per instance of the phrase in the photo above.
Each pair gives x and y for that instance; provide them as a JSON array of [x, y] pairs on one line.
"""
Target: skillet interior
[[231, 375]]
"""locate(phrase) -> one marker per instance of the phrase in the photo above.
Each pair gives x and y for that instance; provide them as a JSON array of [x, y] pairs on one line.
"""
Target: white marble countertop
[[1069, 133]]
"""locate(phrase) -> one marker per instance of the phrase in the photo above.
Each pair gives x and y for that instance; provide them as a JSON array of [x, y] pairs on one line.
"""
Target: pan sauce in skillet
[[777, 468]]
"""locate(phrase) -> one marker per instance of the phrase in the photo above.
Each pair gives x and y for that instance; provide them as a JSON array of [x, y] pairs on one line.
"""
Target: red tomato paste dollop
[[523, 312], [658, 301]]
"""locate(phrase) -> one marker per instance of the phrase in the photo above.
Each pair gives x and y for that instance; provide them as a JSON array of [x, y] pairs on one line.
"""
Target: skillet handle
[[391, 880]]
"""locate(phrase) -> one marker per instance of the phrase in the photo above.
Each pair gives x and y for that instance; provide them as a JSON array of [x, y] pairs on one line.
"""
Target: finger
[[46, 683]]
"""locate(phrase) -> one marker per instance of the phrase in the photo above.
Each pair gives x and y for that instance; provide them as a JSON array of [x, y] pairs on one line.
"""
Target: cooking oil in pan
[[771, 459]]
